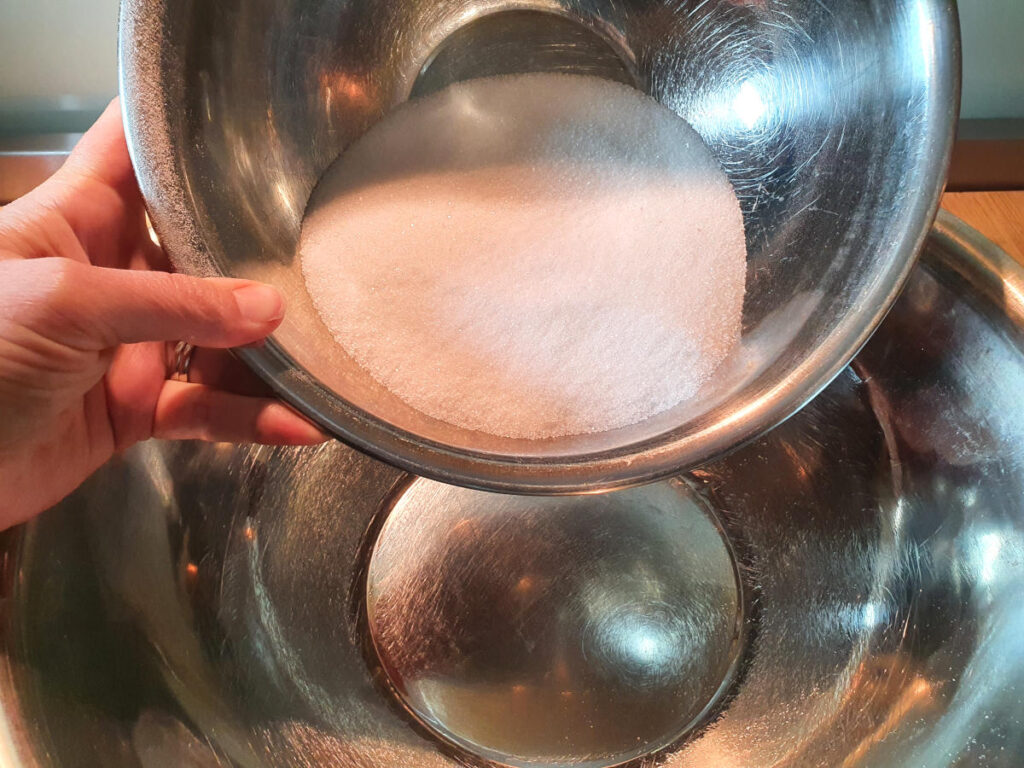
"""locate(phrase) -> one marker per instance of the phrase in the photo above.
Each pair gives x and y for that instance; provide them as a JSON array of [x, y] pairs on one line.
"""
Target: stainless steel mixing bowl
[[833, 119], [844, 592]]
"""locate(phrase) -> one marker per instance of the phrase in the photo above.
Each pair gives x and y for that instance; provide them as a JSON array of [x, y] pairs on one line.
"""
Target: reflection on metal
[[208, 601], [833, 120], [555, 631]]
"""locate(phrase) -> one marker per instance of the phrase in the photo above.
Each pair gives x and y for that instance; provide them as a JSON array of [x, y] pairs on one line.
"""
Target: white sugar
[[531, 256]]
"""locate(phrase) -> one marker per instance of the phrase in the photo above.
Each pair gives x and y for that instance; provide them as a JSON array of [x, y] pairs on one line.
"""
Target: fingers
[[96, 308], [221, 369], [196, 412], [102, 152], [91, 210]]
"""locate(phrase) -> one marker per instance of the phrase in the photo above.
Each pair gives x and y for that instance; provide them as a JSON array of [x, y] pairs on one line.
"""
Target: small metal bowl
[[834, 122]]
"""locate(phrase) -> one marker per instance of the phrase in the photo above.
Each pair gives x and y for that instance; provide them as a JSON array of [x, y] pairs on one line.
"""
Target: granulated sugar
[[530, 256]]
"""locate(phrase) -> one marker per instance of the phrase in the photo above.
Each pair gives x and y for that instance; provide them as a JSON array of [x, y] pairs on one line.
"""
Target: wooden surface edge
[[997, 215]]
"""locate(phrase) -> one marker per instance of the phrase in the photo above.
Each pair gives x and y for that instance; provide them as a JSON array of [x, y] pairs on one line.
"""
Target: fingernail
[[259, 303]]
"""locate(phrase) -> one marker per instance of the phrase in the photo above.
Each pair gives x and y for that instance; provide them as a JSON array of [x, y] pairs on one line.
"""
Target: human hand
[[86, 312]]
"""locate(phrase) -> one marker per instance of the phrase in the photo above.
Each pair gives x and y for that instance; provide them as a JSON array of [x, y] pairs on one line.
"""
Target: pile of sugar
[[530, 256]]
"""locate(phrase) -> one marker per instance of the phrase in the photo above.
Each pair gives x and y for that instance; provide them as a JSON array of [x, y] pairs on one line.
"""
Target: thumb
[[91, 307]]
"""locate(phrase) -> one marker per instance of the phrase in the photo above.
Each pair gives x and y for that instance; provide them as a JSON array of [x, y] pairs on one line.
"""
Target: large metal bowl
[[833, 120], [843, 592]]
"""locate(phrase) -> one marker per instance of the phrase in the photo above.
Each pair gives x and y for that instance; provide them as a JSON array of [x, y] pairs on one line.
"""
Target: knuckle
[[73, 317], [199, 414], [39, 290], [198, 298]]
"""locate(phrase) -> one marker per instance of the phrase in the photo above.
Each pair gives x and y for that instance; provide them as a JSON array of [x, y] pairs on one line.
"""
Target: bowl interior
[[833, 122]]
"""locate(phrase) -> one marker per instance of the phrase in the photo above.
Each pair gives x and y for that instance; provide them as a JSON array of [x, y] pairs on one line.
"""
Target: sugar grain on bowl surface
[[530, 256]]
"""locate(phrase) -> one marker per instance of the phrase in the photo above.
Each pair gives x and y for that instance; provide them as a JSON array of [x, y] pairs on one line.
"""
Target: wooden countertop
[[997, 215]]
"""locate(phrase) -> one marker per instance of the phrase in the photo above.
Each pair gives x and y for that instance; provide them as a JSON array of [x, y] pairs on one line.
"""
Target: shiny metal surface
[[834, 121], [555, 631], [203, 605]]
